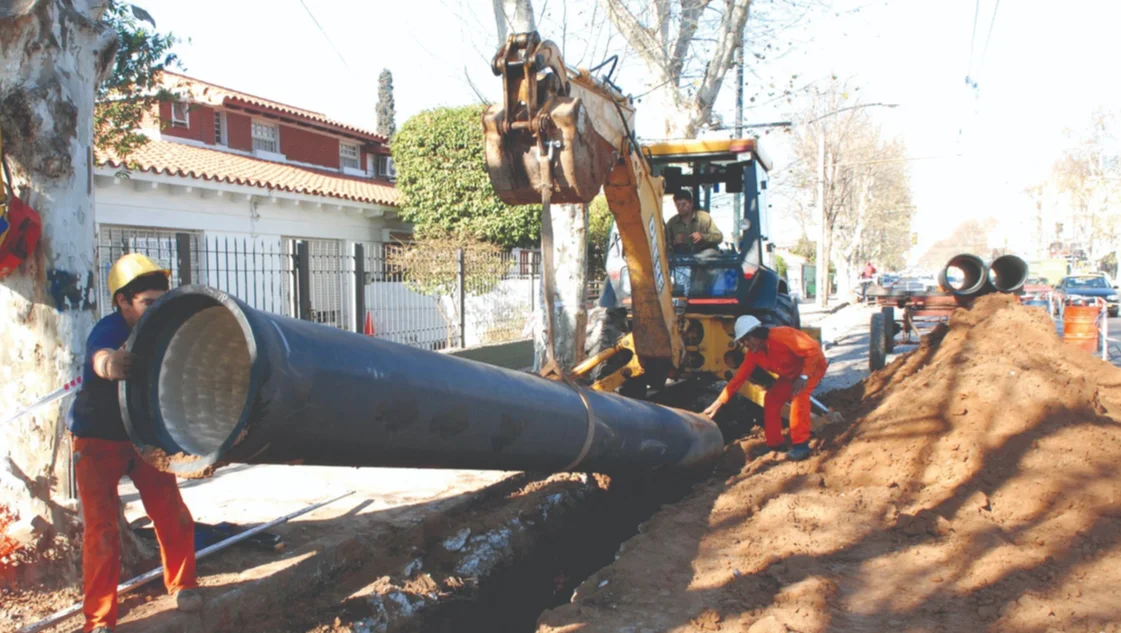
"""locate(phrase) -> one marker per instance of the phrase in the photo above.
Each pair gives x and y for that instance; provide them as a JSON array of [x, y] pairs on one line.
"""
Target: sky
[[1041, 68]]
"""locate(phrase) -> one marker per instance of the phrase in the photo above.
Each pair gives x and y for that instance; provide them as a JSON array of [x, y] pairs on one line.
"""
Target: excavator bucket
[[579, 156]]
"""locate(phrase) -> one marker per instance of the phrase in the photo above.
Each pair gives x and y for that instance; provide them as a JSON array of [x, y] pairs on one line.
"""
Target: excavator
[[561, 135]]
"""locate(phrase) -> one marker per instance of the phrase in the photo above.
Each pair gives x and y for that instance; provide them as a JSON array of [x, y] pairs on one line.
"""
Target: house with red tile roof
[[269, 201]]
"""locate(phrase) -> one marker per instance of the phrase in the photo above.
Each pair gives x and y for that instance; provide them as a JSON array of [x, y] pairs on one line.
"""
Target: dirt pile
[[977, 487]]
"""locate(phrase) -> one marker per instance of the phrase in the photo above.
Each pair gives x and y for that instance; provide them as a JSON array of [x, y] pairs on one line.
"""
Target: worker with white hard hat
[[799, 364], [103, 454]]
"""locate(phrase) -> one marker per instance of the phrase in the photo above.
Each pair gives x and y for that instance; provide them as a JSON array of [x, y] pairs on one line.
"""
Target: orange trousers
[[99, 466], [777, 396]]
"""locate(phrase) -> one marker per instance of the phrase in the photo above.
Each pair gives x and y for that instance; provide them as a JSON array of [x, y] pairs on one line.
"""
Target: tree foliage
[[429, 265], [133, 90], [971, 236], [1082, 189], [867, 189], [387, 109], [441, 170]]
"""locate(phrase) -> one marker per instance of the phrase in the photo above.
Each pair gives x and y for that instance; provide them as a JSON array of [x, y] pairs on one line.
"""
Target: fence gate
[[324, 271]]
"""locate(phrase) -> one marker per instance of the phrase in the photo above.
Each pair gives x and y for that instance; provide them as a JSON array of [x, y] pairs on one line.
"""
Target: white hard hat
[[746, 324]]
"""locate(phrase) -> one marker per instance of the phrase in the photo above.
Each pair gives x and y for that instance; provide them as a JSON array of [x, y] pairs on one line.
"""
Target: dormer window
[[349, 156], [180, 114], [265, 138]]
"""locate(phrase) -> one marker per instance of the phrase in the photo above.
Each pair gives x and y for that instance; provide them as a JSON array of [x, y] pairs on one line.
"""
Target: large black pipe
[[216, 382], [975, 280], [1008, 273]]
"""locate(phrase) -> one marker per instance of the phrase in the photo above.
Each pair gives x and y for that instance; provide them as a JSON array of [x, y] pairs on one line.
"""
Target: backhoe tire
[[785, 313]]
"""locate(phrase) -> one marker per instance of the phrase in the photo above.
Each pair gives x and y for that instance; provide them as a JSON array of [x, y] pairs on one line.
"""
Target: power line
[[969, 80], [972, 37], [327, 37], [988, 37]]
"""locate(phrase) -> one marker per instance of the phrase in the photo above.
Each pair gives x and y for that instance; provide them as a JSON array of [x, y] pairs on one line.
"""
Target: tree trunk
[[570, 257], [570, 245], [516, 16], [55, 53]]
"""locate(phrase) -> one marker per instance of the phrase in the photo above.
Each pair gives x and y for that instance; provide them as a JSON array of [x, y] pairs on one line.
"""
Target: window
[[265, 138], [179, 114], [220, 128], [349, 156]]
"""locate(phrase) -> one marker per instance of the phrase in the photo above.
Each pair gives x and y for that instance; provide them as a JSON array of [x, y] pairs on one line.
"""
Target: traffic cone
[[368, 329]]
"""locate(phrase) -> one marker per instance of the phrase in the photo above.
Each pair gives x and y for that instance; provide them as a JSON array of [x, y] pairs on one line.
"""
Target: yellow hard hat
[[128, 268]]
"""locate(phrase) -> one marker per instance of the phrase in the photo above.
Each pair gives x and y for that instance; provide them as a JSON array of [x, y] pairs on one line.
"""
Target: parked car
[[914, 284], [1086, 289], [1035, 291]]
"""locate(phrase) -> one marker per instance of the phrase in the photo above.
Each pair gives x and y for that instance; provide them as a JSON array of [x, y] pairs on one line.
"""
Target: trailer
[[912, 307]]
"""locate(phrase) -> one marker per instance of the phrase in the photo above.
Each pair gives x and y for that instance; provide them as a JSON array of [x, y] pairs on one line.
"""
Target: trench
[[511, 599], [558, 555]]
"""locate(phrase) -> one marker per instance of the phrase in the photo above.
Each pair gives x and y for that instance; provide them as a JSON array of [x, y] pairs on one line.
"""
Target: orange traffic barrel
[[1080, 327]]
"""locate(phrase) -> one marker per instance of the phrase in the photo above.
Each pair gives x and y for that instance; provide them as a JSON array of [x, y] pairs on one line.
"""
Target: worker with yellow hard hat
[[103, 454]]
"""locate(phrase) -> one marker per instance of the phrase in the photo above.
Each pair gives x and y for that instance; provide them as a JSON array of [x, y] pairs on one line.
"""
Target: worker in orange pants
[[799, 364], [99, 468], [103, 454]]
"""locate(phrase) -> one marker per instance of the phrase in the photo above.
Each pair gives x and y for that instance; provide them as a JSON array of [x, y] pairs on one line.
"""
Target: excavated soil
[[976, 487]]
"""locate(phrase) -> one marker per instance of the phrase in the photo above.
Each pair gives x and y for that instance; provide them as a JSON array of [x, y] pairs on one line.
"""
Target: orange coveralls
[[100, 464], [790, 353]]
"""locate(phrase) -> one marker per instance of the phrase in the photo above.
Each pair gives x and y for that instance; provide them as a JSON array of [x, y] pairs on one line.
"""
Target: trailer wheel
[[889, 327], [877, 344]]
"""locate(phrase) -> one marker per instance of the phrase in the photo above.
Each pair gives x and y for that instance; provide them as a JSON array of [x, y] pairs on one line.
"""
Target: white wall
[[124, 204]]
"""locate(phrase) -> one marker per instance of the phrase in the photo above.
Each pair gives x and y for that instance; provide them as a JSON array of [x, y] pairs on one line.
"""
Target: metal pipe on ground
[[1008, 273], [974, 277], [216, 381]]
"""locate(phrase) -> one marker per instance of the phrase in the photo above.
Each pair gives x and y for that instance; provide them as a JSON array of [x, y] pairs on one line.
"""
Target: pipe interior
[[955, 277], [1008, 273], [204, 381], [972, 272]]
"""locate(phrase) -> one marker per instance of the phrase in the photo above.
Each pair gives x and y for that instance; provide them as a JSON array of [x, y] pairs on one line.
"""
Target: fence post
[[461, 271], [303, 280], [359, 288], [183, 256]]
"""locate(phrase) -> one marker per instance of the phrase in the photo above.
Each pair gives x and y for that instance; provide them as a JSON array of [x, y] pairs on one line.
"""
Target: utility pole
[[822, 284]]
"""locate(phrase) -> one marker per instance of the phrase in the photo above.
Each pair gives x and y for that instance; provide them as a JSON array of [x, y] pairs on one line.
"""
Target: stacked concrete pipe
[[1006, 273]]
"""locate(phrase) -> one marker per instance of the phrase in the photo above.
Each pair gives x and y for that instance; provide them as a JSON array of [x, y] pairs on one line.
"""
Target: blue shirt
[[96, 410]]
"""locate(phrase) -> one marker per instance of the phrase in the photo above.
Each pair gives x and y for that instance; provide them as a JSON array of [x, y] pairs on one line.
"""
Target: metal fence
[[435, 299]]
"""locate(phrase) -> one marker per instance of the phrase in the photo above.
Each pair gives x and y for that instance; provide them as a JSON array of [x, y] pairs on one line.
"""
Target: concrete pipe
[[217, 382], [975, 280], [1008, 273]]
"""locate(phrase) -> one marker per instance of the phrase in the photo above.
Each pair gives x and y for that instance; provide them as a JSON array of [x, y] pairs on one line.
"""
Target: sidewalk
[[809, 309]]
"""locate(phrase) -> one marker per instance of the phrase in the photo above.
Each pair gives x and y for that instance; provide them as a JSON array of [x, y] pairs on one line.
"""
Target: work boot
[[188, 600], [798, 452]]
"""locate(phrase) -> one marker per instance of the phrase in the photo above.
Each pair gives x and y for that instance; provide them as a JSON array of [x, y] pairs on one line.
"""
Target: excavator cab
[[728, 179]]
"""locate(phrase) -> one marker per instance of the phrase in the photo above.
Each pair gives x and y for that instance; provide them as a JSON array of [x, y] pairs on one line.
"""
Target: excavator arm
[[560, 136]]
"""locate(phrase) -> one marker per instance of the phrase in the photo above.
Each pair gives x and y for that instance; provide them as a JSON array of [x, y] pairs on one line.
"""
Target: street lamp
[[822, 263]]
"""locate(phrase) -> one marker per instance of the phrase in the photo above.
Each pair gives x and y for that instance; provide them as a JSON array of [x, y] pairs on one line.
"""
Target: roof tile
[[179, 159]]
